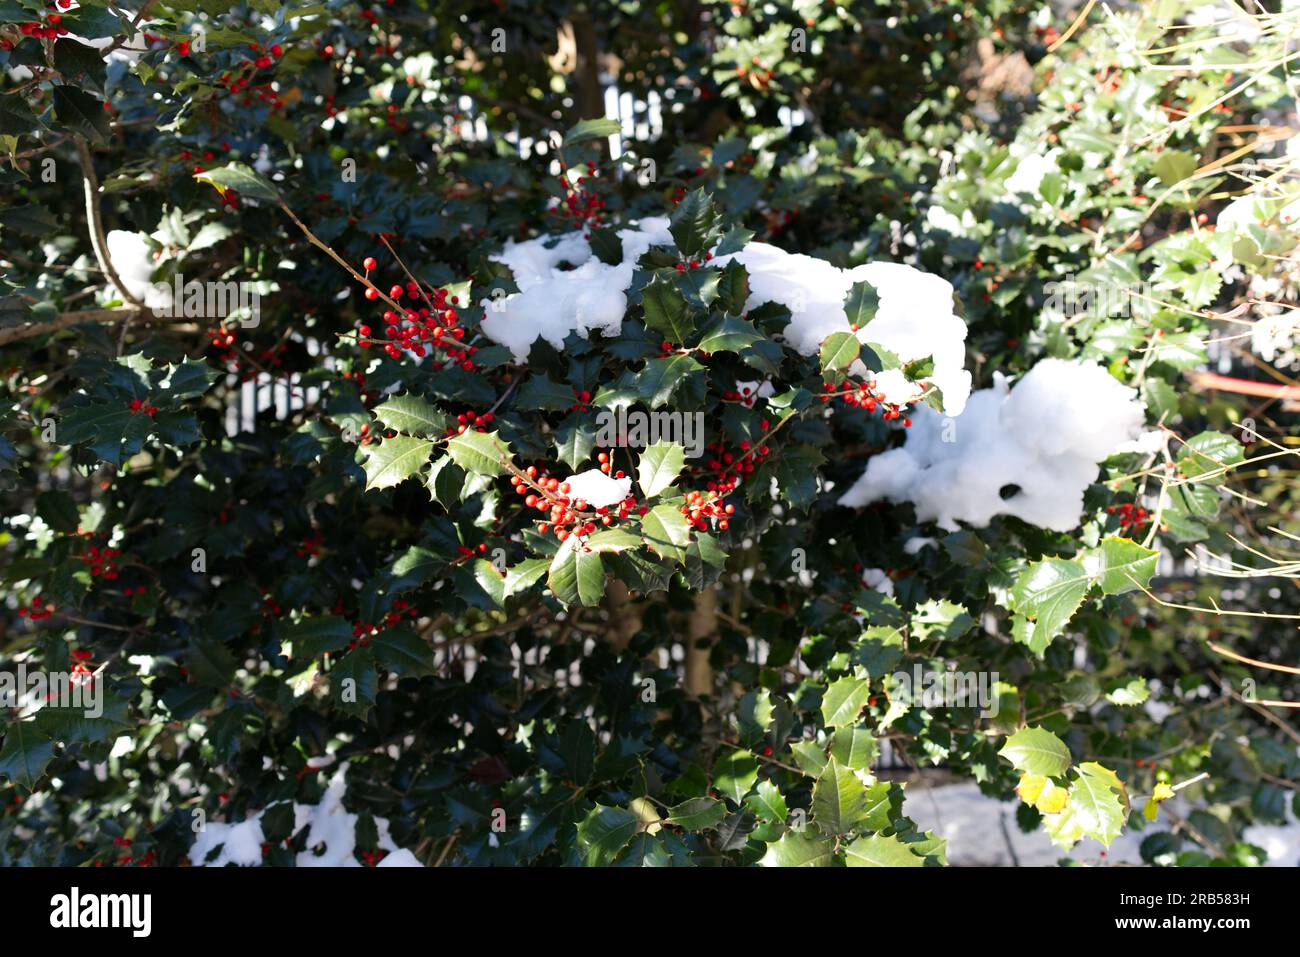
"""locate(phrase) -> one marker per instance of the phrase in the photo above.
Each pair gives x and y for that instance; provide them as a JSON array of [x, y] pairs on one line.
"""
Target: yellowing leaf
[[1162, 792]]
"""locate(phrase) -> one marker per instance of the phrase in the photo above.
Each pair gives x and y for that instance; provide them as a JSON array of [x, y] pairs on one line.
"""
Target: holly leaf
[[241, 179], [839, 351], [861, 303], [796, 849], [666, 532], [1119, 565], [1207, 455], [878, 851], [1098, 802], [1037, 751], [659, 466], [82, 112], [734, 774], [483, 453], [413, 415], [587, 130], [394, 460], [1050, 592], [666, 311], [839, 800], [577, 575], [26, 753], [697, 814], [603, 833], [844, 700], [694, 225]]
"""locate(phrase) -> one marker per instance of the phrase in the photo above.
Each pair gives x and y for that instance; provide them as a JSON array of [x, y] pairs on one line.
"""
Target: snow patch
[[330, 824], [597, 489], [915, 319], [1039, 444], [554, 302], [133, 258]]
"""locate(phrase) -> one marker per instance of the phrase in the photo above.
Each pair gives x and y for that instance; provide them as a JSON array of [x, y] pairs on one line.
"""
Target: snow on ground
[[1038, 444], [330, 823]]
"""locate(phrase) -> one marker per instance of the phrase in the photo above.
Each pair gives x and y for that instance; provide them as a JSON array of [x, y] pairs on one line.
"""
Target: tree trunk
[[624, 614], [702, 624], [588, 97]]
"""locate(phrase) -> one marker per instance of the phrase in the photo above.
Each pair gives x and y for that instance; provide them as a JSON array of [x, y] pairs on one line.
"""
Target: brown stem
[[95, 222], [65, 319]]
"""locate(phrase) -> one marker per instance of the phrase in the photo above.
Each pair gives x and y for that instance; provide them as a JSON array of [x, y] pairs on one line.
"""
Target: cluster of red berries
[[434, 325], [694, 263], [726, 468], [863, 395], [40, 31], [607, 465], [401, 609], [81, 670], [310, 546], [704, 508], [139, 405], [470, 421], [223, 338], [464, 552], [745, 395], [394, 122], [759, 76], [37, 609], [1131, 516], [372, 438], [565, 515], [127, 859], [1145, 763], [101, 561], [584, 401], [372, 858], [580, 207]]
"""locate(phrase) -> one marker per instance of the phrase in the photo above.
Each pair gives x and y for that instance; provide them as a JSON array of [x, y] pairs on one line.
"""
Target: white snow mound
[[553, 302], [915, 319], [597, 489], [1046, 437]]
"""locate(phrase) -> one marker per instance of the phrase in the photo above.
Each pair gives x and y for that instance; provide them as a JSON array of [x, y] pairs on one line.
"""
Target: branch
[[1223, 383], [95, 222], [1253, 661], [63, 320]]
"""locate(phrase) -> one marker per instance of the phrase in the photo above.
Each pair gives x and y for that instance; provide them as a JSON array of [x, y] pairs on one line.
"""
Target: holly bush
[[326, 526]]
